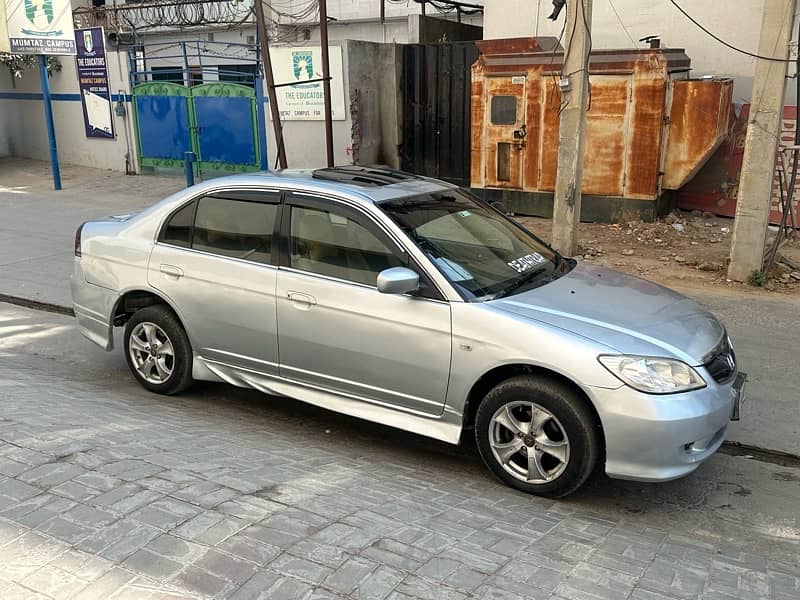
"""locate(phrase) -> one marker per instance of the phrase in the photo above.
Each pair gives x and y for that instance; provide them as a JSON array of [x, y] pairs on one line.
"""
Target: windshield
[[484, 254]]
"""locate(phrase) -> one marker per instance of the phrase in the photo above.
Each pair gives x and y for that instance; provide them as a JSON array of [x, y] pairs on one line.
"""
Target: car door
[[214, 261], [336, 331]]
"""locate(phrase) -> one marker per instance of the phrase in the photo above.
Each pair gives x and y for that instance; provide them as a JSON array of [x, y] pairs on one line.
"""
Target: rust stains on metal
[[532, 141], [644, 148], [606, 136], [516, 46], [477, 158], [625, 124], [550, 110], [698, 124]]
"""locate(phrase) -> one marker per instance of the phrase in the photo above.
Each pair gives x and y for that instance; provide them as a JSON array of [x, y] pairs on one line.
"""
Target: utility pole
[[277, 125], [326, 79], [571, 130], [758, 164]]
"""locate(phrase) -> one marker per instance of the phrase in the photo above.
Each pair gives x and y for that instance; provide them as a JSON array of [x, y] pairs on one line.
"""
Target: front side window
[[226, 226], [329, 243], [481, 252]]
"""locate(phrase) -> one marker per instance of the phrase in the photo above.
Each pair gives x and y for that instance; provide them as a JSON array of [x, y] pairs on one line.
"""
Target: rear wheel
[[158, 351], [536, 435]]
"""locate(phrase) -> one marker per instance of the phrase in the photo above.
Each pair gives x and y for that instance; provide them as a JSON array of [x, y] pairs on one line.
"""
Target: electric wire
[[729, 45], [619, 19]]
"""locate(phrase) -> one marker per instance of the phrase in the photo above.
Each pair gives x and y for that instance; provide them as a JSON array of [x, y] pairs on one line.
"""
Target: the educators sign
[[93, 83], [37, 27], [305, 101]]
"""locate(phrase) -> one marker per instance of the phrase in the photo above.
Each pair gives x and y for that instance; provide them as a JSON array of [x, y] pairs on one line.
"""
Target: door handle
[[300, 298], [172, 271]]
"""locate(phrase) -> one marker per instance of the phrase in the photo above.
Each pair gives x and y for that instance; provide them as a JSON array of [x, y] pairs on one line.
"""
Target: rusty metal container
[[649, 127]]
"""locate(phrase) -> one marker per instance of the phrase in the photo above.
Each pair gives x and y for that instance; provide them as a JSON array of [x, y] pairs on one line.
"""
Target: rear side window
[[178, 230], [235, 228]]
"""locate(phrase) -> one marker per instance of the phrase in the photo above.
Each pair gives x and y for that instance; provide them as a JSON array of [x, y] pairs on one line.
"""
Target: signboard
[[305, 101], [93, 83], [38, 27], [4, 45]]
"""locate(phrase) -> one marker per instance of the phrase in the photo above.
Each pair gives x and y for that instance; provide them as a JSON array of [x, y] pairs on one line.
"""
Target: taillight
[[78, 240]]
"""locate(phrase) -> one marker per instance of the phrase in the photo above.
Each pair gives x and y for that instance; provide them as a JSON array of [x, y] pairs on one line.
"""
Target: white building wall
[[23, 131], [736, 22]]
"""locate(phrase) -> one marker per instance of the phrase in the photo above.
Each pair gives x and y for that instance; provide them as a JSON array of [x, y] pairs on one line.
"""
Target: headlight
[[653, 375]]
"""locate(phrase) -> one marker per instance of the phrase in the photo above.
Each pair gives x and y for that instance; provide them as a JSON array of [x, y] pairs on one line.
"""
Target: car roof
[[369, 184]]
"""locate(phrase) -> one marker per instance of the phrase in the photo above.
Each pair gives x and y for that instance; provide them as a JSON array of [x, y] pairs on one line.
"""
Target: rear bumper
[[94, 307], [659, 438]]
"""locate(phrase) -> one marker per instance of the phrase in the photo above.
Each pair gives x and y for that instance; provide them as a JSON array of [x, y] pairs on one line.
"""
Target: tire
[[554, 461], [164, 375]]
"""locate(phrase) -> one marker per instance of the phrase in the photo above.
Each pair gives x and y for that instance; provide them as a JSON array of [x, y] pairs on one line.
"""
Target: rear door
[[337, 331], [214, 261]]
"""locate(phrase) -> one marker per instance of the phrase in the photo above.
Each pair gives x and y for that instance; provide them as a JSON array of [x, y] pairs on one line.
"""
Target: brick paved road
[[107, 491]]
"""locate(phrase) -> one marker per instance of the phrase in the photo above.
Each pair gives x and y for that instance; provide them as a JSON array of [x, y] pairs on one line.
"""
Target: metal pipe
[[186, 79], [383, 11], [188, 159], [200, 61], [273, 99], [48, 117], [261, 121], [326, 76]]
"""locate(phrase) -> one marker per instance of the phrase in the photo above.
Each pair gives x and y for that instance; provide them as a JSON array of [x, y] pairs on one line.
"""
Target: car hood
[[623, 312]]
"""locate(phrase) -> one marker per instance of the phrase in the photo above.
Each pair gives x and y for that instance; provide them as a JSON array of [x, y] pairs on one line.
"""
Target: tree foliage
[[19, 63]]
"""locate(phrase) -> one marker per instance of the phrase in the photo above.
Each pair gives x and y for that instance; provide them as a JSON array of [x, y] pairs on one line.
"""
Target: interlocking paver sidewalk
[[108, 491]]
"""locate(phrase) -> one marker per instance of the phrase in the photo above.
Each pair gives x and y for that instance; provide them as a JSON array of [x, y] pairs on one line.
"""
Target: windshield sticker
[[523, 263], [464, 213], [453, 271]]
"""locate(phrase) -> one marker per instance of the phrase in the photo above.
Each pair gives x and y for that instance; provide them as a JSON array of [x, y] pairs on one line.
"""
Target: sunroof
[[363, 176]]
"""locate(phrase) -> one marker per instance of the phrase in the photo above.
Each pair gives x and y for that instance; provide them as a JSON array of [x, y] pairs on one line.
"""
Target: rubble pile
[[684, 246]]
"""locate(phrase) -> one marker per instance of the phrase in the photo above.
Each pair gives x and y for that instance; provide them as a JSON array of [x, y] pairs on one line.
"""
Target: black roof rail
[[363, 176]]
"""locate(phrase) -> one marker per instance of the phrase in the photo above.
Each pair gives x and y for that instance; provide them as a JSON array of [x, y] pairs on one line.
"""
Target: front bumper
[[662, 437]]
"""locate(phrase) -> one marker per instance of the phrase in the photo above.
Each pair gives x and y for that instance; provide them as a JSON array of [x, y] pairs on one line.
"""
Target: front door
[[505, 131], [337, 331], [214, 261]]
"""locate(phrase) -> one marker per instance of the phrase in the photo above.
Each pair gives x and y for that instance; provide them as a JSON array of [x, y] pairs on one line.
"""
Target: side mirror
[[398, 280]]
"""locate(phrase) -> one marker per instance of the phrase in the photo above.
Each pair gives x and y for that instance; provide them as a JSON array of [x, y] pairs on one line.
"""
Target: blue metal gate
[[221, 122], [225, 126], [162, 113]]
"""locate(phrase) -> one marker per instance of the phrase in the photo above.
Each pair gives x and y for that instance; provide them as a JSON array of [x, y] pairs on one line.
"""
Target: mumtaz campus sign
[[36, 27]]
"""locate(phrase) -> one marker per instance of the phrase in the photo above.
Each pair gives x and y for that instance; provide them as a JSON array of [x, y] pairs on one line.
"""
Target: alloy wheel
[[529, 442], [151, 352]]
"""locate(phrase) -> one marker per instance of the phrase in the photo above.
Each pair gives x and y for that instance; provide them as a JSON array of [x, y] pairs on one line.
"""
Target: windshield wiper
[[524, 280]]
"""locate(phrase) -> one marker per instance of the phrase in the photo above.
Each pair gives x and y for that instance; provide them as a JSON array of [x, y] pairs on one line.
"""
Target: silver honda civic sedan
[[409, 302]]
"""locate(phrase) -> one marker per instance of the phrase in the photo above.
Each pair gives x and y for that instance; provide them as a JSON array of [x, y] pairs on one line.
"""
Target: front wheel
[[158, 351], [536, 435]]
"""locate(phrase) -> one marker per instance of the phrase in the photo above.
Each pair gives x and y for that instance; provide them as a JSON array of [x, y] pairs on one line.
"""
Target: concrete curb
[[37, 305]]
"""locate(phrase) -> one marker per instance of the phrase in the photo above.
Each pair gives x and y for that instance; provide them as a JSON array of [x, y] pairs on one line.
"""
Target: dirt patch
[[687, 249]]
